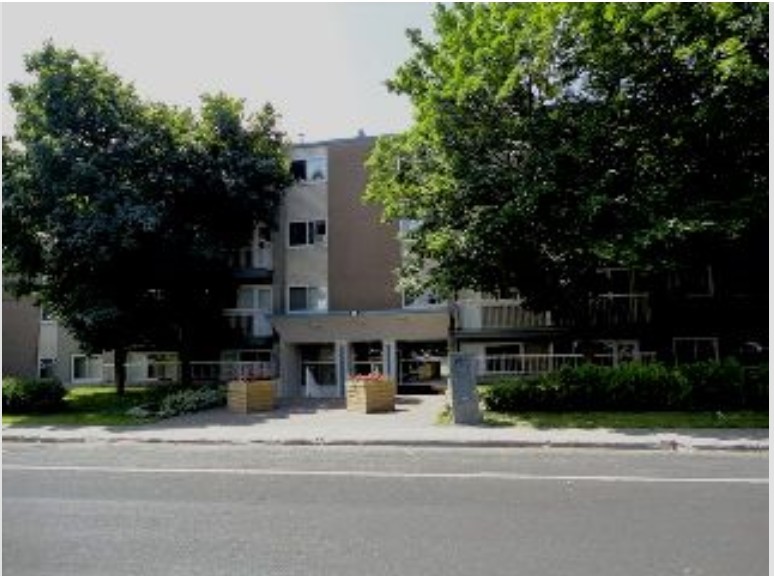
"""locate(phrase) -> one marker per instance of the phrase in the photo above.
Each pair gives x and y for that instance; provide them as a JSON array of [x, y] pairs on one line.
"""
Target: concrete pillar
[[390, 359], [289, 372], [462, 388], [343, 365]]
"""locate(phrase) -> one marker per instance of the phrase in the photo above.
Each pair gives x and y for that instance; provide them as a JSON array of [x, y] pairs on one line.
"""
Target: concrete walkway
[[413, 424]]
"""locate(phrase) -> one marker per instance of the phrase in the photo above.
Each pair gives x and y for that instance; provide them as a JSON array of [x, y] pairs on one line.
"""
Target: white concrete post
[[289, 384]]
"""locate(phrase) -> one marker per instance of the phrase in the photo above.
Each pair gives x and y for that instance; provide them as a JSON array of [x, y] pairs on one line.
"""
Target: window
[[254, 298], [309, 170], [687, 350], [46, 368], [307, 299], [406, 225], [307, 233], [618, 281], [693, 282], [86, 368]]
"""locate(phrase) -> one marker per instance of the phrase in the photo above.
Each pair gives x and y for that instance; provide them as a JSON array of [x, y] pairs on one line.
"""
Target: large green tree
[[553, 139], [119, 215]]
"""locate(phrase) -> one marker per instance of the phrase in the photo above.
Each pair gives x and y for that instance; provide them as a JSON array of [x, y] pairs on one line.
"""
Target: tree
[[554, 139], [119, 215]]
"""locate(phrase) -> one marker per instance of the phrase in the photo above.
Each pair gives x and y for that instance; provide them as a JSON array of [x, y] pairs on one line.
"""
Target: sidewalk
[[327, 422]]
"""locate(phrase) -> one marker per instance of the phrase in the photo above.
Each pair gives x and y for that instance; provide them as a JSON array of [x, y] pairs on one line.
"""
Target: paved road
[[189, 510]]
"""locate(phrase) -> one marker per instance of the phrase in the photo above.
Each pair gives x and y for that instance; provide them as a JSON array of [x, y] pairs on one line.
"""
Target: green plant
[[715, 385], [32, 395], [191, 400], [629, 387], [756, 387]]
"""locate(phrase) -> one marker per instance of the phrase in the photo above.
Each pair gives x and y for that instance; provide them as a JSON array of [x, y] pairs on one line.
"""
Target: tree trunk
[[120, 370]]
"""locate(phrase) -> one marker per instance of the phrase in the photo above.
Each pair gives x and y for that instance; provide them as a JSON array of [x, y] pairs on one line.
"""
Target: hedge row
[[635, 387], [25, 395]]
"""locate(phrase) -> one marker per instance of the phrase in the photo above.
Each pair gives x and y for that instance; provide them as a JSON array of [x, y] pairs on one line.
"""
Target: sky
[[323, 66]]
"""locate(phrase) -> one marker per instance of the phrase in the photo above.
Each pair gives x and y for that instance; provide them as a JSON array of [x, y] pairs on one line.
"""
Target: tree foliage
[[553, 139], [120, 214]]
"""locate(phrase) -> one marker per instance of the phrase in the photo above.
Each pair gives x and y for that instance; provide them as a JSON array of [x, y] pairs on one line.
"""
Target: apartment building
[[338, 311], [316, 301]]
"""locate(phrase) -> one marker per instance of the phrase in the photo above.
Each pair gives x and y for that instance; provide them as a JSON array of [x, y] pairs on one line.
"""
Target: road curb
[[655, 445]]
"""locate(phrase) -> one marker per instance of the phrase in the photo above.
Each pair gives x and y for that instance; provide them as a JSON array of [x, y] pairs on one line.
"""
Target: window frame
[[714, 340], [255, 298], [307, 171], [87, 358], [306, 288], [311, 235]]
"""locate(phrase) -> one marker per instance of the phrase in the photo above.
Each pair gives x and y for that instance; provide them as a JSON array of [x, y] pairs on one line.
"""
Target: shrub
[[636, 386], [715, 385], [755, 387], [25, 395], [631, 386], [191, 400]]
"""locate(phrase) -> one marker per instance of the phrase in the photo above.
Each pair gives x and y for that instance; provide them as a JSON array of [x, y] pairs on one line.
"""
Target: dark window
[[298, 234], [297, 299], [298, 169]]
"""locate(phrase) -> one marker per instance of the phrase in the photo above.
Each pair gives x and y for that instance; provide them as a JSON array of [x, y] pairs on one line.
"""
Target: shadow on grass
[[646, 421], [93, 406]]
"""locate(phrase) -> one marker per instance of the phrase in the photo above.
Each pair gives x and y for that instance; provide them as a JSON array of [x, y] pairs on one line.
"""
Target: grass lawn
[[91, 406], [630, 419]]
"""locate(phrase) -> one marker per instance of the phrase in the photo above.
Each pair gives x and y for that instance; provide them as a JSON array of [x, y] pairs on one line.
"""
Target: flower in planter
[[372, 377]]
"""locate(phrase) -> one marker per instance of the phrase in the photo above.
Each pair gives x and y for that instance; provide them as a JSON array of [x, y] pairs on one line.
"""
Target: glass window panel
[[298, 233], [297, 299], [316, 169]]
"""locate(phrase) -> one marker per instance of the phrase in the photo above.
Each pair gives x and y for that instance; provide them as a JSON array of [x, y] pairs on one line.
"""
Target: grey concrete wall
[[400, 326]]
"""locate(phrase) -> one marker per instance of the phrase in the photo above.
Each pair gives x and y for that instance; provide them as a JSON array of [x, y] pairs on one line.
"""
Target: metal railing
[[533, 364], [497, 315], [248, 258], [170, 371]]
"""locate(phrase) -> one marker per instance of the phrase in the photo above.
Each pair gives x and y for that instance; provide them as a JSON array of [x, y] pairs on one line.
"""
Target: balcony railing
[[533, 364], [251, 258], [248, 323], [497, 315], [169, 371]]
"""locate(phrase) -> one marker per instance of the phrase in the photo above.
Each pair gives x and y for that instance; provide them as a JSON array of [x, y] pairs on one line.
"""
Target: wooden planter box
[[370, 396], [251, 396]]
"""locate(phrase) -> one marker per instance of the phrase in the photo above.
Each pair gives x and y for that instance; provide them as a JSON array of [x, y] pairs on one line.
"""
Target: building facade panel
[[363, 251]]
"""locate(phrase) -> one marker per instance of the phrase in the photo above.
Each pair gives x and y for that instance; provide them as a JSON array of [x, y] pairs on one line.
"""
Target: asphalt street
[[116, 509]]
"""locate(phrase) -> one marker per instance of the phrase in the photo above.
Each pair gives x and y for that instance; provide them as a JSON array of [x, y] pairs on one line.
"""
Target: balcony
[[248, 325], [497, 315], [620, 309], [256, 264]]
